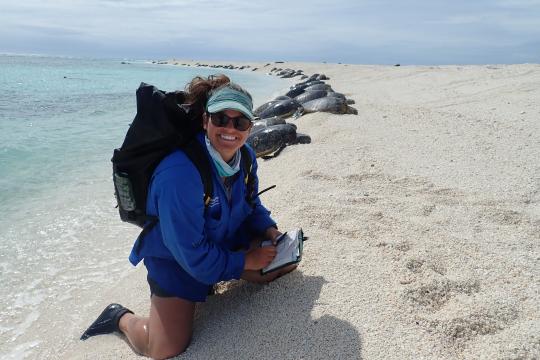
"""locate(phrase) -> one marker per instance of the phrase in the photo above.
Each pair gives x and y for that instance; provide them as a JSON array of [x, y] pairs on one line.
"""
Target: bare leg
[[255, 276], [166, 332]]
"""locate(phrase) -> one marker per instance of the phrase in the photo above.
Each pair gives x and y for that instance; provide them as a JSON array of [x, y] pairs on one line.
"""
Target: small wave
[[22, 351], [57, 194], [29, 299], [30, 319]]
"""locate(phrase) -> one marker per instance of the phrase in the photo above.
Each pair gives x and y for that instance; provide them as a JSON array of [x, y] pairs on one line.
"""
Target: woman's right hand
[[259, 258]]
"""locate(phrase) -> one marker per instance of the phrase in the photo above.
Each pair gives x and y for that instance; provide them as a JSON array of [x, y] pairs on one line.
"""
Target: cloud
[[525, 4], [49, 30], [340, 30]]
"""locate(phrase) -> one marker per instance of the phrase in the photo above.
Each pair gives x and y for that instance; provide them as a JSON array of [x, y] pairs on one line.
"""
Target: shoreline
[[423, 215]]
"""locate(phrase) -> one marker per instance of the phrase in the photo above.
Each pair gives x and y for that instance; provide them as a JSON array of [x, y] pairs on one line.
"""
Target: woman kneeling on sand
[[193, 248]]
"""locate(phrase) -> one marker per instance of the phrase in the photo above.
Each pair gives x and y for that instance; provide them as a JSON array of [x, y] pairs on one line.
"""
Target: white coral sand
[[423, 217]]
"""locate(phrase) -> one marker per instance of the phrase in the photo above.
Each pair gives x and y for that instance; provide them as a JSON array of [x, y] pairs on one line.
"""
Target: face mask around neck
[[224, 169]]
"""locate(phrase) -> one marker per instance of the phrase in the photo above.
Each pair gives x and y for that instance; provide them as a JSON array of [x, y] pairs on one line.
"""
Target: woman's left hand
[[272, 234]]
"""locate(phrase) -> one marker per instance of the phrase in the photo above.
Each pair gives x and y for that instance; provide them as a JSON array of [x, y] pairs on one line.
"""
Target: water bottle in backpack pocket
[[124, 191]]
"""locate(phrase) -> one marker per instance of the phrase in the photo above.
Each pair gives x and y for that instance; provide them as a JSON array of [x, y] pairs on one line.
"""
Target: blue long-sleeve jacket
[[200, 240]]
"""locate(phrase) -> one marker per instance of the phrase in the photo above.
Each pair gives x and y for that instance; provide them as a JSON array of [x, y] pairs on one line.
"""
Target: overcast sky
[[355, 31]]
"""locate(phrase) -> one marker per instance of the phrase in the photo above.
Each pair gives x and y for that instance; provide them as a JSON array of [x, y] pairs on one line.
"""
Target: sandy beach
[[423, 217]]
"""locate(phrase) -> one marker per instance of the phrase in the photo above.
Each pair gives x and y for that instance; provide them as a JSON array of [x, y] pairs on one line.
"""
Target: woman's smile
[[226, 139]]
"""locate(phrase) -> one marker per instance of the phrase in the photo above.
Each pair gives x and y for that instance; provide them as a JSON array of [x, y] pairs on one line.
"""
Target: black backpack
[[163, 123]]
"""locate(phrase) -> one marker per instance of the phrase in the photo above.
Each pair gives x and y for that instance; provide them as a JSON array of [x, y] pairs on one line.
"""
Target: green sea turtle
[[302, 138], [264, 123], [283, 97], [268, 104], [318, 87], [309, 82], [263, 107], [289, 73], [341, 96], [299, 88], [316, 94], [295, 90], [280, 108], [271, 140], [329, 104]]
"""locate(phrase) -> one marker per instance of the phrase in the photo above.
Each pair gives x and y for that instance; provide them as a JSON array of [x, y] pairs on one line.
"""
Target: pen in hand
[[279, 238]]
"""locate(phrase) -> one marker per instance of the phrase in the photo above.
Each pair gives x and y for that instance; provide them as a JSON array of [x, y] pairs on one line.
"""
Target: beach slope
[[423, 217]]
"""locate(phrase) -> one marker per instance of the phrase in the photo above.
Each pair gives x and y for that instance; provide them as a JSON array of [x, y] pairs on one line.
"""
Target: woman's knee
[[256, 277], [167, 350], [286, 270], [170, 326]]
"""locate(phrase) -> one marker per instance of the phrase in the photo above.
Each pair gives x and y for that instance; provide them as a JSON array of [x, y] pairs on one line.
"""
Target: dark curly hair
[[199, 88]]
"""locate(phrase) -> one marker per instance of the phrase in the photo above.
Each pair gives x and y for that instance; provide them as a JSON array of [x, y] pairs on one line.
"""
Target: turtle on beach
[[264, 106], [302, 138], [329, 104], [280, 108], [309, 82], [283, 97], [289, 73], [318, 87], [264, 123], [315, 94], [341, 96], [300, 88], [295, 91], [269, 141]]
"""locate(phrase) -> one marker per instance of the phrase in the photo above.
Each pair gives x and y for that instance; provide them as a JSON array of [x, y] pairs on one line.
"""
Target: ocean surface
[[60, 235]]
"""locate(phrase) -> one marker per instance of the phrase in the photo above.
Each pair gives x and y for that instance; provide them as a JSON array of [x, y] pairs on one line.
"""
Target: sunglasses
[[240, 123]]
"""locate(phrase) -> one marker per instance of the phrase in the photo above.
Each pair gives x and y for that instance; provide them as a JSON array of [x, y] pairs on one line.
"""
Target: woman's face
[[226, 140]]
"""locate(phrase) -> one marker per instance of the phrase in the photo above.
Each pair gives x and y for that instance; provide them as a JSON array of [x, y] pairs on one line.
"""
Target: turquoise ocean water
[[60, 236]]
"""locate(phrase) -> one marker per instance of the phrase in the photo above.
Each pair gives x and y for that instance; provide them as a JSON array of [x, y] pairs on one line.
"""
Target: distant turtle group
[[270, 132], [306, 97]]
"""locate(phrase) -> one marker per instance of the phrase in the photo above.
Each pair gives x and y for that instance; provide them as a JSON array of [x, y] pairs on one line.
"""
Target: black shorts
[[156, 290]]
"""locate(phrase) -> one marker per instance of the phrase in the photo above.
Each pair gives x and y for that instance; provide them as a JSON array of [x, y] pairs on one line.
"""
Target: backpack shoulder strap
[[249, 180], [196, 154]]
